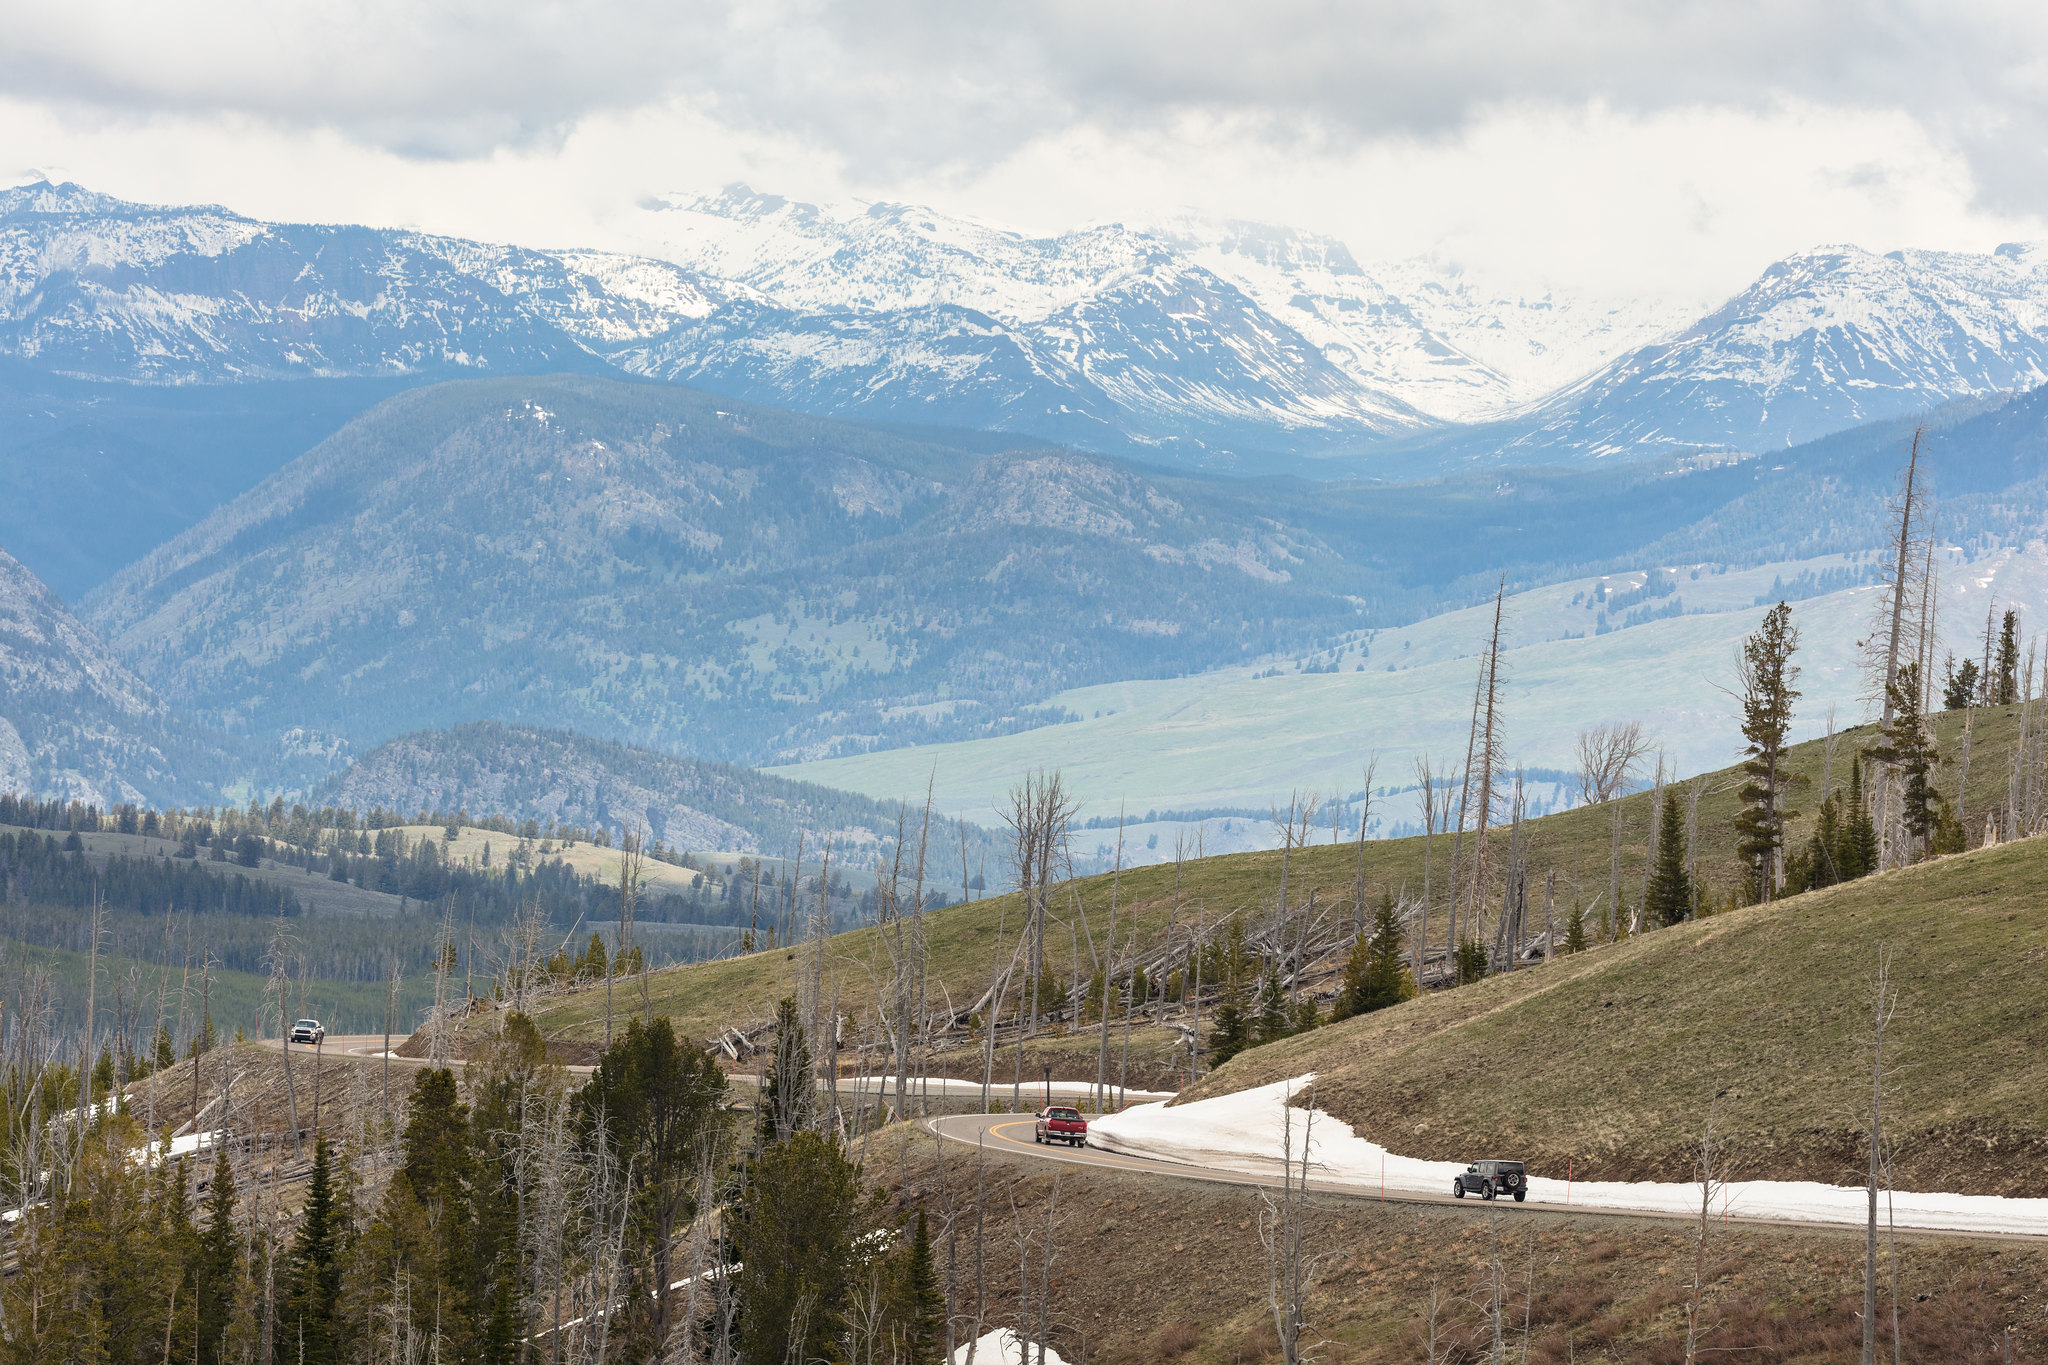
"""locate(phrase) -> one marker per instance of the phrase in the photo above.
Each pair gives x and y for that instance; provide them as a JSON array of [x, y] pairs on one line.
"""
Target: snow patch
[[1243, 1132], [1004, 1347]]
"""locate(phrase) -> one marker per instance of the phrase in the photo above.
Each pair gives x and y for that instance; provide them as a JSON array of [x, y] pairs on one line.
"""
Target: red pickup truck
[[1057, 1124]]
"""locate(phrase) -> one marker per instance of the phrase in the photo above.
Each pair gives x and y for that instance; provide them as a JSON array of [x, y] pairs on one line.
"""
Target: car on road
[[1059, 1124], [309, 1032], [1490, 1179]]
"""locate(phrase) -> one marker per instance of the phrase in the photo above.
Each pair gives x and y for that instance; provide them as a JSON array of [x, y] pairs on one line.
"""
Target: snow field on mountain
[[1247, 1131]]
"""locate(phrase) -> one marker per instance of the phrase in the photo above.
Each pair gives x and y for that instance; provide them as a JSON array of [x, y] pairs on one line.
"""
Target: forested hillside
[[755, 585], [523, 773]]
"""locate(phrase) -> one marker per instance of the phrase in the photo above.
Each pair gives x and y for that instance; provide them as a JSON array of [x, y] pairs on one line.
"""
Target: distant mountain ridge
[[690, 805], [76, 723], [1239, 347]]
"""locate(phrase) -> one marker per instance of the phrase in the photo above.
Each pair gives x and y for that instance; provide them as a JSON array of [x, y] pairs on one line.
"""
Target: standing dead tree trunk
[[1712, 1171], [1372, 765], [1109, 971], [1489, 757], [1290, 1267], [1909, 509], [1884, 1005], [1425, 780]]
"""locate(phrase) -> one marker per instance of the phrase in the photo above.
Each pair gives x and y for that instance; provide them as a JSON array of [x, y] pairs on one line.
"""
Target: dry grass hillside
[[968, 942], [1611, 1059]]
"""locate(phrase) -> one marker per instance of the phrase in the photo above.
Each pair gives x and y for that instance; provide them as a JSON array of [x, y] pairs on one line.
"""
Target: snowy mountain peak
[[67, 199]]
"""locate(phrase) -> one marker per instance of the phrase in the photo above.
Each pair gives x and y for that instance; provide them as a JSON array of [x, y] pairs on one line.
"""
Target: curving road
[[1011, 1135]]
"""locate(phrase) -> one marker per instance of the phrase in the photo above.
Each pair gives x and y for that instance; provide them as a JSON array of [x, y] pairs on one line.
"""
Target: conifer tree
[[1766, 675], [309, 1326], [794, 1236], [1470, 961], [1226, 960], [1376, 974], [1904, 744], [917, 1305], [1959, 686], [1670, 898], [1575, 930], [1856, 855], [2005, 674], [219, 1261], [786, 1094]]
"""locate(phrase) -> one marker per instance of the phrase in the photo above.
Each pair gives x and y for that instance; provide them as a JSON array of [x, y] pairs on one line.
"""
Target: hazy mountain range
[[1230, 346], [894, 503]]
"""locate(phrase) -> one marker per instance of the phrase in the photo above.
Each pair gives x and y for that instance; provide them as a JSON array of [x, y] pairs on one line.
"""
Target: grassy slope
[[1611, 1059], [702, 997]]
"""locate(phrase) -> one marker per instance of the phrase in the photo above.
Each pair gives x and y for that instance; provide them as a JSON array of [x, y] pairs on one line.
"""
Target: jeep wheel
[[1486, 1191], [1520, 1195], [1457, 1189]]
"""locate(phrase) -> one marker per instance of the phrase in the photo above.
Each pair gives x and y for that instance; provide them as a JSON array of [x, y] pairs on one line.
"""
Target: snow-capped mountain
[[1220, 345], [1824, 340], [1418, 341], [101, 288]]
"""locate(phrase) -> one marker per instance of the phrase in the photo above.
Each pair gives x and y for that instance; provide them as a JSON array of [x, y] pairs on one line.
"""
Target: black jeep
[[1489, 1178]]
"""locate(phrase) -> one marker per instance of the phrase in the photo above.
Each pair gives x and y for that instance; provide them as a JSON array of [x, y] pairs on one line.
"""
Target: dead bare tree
[[1039, 813], [1884, 1005], [1290, 1267], [1490, 755], [1425, 781], [1894, 628], [1712, 1171], [1108, 969], [1372, 765], [281, 957], [1608, 755]]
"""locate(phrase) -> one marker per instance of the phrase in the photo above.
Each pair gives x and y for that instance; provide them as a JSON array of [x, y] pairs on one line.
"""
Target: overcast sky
[[1621, 149]]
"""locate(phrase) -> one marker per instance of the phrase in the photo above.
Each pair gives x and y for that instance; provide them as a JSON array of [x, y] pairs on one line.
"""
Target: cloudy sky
[[1597, 146]]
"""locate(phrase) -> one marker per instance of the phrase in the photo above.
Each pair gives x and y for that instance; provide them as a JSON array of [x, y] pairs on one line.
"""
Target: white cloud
[[1628, 147]]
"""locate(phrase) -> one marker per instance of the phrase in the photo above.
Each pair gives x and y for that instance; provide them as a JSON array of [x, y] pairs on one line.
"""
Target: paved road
[[1011, 1135]]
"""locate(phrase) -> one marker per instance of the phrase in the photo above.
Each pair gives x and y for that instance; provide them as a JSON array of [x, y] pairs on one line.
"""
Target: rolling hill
[[1613, 1060], [1623, 1014]]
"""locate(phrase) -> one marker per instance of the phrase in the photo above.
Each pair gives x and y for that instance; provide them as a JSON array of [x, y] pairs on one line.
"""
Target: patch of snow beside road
[[1243, 1132]]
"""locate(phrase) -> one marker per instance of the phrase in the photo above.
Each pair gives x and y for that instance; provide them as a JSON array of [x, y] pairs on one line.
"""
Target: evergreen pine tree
[[1767, 675], [219, 1262], [2005, 673], [1906, 746], [1856, 855], [1471, 961], [1575, 930], [309, 1324], [1670, 898], [1959, 686], [1227, 1036], [1376, 974], [786, 1097], [917, 1305]]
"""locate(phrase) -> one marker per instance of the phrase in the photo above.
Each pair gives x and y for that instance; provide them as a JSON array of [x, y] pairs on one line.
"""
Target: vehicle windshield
[[307, 1023], [1063, 1113]]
